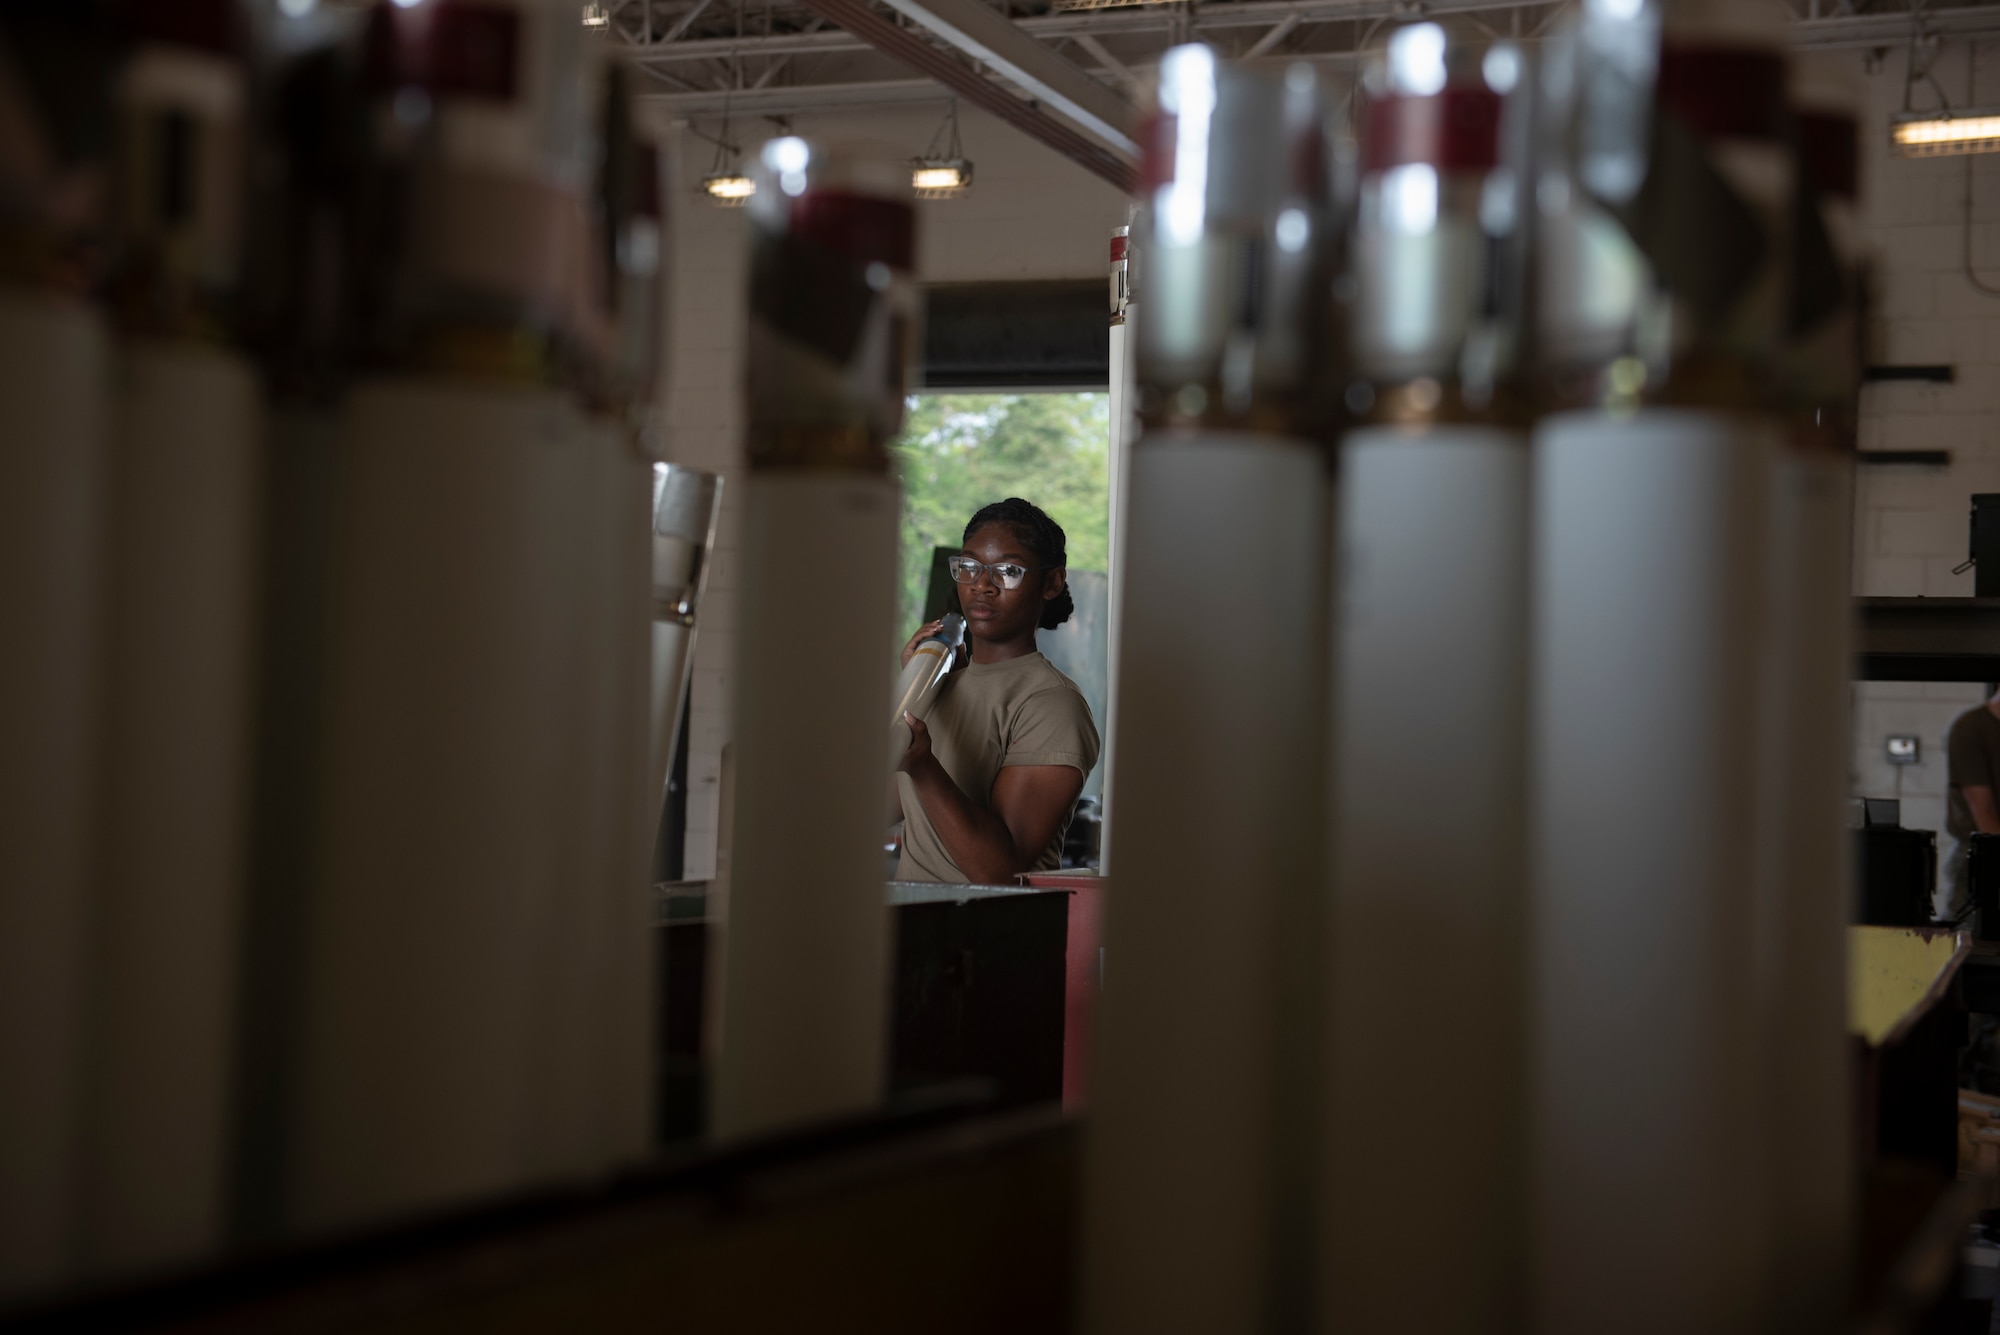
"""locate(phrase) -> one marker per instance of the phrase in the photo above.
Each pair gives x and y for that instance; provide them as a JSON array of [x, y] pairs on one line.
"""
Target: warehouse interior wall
[[1030, 214], [1911, 522]]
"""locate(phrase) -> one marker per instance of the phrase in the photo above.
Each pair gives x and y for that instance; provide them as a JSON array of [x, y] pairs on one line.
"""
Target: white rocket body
[[1222, 666], [1653, 650], [591, 1043], [805, 988], [1198, 1189], [1802, 951], [443, 835], [805, 1027], [1429, 767], [565, 1046], [1429, 777], [174, 809], [173, 813], [55, 378], [1808, 1153], [629, 999], [917, 687], [475, 1013], [1647, 671]]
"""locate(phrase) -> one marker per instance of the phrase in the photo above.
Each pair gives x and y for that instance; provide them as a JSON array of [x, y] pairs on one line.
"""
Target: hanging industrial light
[[1944, 132], [725, 183], [943, 172], [728, 188], [595, 15]]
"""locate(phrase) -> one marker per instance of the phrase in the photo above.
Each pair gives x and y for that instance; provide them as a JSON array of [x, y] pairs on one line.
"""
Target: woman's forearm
[[978, 841]]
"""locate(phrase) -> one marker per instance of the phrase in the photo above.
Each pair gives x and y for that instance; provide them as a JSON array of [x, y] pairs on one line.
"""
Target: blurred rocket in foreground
[[182, 547], [1665, 193], [1430, 726], [832, 329], [56, 71], [1203, 1058]]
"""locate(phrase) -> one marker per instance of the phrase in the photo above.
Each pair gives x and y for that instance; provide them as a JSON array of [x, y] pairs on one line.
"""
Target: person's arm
[[1985, 811], [1969, 768], [992, 845]]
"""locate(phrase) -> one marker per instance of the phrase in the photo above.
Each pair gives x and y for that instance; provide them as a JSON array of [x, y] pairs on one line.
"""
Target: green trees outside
[[961, 451]]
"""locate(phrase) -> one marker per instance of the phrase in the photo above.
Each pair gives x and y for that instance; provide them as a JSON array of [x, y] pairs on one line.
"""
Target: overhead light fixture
[[941, 180], [943, 172], [1945, 133], [596, 16], [1062, 6], [725, 183], [728, 189]]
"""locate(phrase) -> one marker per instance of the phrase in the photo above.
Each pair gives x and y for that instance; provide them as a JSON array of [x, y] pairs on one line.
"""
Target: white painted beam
[[980, 32]]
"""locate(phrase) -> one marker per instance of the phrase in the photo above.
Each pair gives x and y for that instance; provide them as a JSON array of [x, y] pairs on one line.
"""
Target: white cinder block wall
[[1911, 523], [1031, 214]]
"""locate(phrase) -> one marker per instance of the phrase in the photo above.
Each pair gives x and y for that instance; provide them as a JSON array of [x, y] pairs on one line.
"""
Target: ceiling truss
[[781, 58]]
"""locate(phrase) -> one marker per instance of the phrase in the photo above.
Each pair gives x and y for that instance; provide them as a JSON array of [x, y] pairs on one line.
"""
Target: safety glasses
[[967, 570]]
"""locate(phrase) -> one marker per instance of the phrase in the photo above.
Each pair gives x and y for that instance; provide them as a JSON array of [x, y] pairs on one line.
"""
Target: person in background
[[1972, 751], [990, 778]]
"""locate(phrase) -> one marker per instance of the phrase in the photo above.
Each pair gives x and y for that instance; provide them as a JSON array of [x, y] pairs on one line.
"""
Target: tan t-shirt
[[988, 716]]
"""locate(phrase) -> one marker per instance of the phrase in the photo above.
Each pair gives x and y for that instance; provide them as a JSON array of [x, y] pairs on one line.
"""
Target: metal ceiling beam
[[686, 22], [1263, 45], [803, 99], [1890, 28], [800, 99], [951, 70], [797, 99], [1834, 32], [1104, 22], [1112, 64], [980, 32]]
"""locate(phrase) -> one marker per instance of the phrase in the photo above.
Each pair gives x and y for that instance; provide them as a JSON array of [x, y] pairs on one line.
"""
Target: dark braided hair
[[1044, 539]]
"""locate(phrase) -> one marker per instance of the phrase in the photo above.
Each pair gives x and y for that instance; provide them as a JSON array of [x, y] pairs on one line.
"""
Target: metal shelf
[[1928, 639]]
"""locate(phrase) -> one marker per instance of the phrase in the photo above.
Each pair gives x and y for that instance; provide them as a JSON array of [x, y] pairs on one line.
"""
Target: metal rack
[[1928, 639]]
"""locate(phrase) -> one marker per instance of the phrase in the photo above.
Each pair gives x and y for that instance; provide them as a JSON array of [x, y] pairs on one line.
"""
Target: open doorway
[[959, 452]]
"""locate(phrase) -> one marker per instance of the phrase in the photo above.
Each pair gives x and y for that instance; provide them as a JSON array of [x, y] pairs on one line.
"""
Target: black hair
[[1044, 539]]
